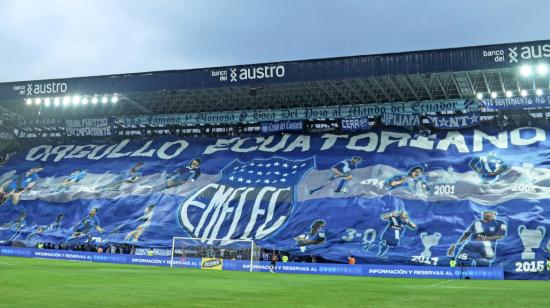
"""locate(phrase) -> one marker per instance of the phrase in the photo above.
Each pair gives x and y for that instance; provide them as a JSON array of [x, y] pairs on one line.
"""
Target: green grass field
[[48, 283]]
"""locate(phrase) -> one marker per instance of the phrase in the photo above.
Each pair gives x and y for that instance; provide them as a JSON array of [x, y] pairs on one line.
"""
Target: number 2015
[[530, 266]]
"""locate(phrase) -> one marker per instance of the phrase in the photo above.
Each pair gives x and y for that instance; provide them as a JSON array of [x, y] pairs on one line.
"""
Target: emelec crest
[[251, 200]]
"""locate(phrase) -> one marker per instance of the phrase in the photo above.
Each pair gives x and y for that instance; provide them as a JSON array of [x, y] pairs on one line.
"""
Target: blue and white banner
[[394, 271], [401, 119], [455, 121], [477, 196], [312, 113], [516, 103], [89, 127], [282, 126], [354, 124], [76, 127]]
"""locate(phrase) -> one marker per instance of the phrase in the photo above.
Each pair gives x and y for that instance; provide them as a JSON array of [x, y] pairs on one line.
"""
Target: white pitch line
[[472, 287], [439, 283]]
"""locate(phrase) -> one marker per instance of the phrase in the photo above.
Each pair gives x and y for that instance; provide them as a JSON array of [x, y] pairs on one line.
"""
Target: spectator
[[351, 260], [274, 259]]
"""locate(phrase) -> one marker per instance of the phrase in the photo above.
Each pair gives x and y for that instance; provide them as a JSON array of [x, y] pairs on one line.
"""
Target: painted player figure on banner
[[86, 225], [398, 221], [128, 176], [75, 177], [19, 184], [489, 167], [17, 225], [55, 225], [414, 180], [342, 171], [145, 220], [478, 244], [183, 175], [316, 235]]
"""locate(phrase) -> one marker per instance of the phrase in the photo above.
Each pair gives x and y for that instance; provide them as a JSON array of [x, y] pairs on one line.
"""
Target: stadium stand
[[425, 158]]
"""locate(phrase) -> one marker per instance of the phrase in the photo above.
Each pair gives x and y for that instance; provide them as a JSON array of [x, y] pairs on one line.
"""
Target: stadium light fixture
[[66, 100], [76, 99], [479, 96], [526, 70], [73, 100], [494, 95], [523, 93], [542, 69], [539, 92], [509, 93]]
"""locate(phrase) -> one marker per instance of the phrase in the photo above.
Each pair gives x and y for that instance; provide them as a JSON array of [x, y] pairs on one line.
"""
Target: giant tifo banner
[[474, 198]]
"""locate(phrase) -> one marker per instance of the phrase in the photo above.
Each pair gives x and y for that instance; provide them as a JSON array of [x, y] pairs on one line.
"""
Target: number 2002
[[524, 187]]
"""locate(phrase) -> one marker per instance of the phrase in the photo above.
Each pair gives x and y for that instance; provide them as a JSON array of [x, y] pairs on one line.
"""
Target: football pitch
[[50, 283]]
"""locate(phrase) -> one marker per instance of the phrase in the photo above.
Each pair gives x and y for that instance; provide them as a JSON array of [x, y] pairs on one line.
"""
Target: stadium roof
[[396, 77]]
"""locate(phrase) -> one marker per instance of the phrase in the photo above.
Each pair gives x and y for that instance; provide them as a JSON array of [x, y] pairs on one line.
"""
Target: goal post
[[222, 249]]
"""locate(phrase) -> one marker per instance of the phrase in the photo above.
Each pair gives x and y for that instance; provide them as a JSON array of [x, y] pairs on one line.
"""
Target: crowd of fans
[[109, 248], [190, 252]]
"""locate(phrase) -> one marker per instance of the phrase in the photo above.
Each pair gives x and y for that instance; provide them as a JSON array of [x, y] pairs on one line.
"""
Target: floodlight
[[94, 100], [526, 70], [523, 93], [542, 69], [508, 94], [494, 95], [539, 92], [479, 96], [104, 99], [76, 99]]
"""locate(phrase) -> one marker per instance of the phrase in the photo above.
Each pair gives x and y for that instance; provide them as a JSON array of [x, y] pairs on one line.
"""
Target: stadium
[[353, 178]]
